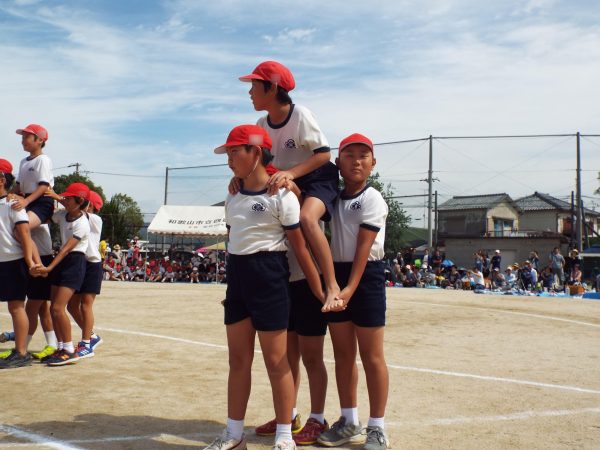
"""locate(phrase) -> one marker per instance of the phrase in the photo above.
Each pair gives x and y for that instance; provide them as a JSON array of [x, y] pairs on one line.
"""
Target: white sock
[[235, 429], [320, 417], [29, 338], [351, 415], [61, 345], [284, 432], [294, 413], [51, 338], [376, 422], [68, 346]]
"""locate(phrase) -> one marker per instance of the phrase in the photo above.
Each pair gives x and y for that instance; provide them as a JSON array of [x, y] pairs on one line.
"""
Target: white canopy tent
[[201, 221]]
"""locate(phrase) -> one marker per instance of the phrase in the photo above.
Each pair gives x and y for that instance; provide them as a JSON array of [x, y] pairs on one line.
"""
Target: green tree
[[122, 219], [397, 219], [62, 181]]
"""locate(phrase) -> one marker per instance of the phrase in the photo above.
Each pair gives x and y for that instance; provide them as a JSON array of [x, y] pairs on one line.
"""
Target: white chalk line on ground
[[37, 439], [391, 366], [503, 311], [458, 420]]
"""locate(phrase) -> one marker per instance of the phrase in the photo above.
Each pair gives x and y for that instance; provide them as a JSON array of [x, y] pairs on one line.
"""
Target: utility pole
[[579, 232], [429, 195], [166, 183], [436, 219], [76, 165]]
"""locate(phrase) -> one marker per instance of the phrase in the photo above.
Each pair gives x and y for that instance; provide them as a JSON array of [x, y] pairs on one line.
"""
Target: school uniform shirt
[[296, 273], [92, 253], [42, 239], [367, 209], [10, 248], [296, 139], [257, 221], [78, 228], [33, 172]]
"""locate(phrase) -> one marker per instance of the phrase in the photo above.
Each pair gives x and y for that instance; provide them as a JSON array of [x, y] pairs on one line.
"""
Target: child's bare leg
[[312, 210], [32, 308], [74, 308], [274, 346], [60, 298], [370, 344], [343, 339], [87, 313], [293, 356], [45, 317], [34, 220], [16, 308], [240, 341], [311, 348]]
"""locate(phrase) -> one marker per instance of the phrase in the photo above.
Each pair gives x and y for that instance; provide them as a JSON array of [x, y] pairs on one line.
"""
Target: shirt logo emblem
[[290, 144], [259, 207], [355, 206]]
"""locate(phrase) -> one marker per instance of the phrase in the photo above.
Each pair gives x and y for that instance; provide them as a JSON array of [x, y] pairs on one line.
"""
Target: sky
[[129, 88]]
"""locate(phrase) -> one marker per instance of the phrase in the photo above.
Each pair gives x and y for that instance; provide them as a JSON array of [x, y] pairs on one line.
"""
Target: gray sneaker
[[376, 439], [340, 433], [15, 359], [223, 443], [284, 445]]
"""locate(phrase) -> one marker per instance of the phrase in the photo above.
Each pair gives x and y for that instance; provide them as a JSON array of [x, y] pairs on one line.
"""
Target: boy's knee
[[240, 362], [313, 362]]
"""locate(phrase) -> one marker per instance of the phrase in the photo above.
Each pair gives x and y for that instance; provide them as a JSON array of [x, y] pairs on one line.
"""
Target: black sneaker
[[15, 359]]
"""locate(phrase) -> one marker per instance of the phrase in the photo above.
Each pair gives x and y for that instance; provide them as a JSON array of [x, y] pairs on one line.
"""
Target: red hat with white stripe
[[246, 135], [77, 190], [273, 72]]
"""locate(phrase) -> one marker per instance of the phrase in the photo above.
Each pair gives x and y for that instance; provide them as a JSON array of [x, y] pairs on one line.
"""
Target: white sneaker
[[222, 443], [284, 445]]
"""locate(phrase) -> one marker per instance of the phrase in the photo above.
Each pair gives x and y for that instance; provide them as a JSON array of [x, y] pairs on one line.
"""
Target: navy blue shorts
[[306, 317], [367, 306], [13, 280], [321, 183], [43, 207], [38, 288], [92, 281], [70, 271], [258, 288]]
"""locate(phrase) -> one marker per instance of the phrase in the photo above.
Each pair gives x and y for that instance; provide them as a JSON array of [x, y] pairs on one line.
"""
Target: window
[[502, 227]]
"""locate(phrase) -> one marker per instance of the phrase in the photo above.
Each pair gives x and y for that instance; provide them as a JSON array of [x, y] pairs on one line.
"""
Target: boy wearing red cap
[[257, 300], [357, 246], [16, 256], [300, 153], [34, 177], [67, 270]]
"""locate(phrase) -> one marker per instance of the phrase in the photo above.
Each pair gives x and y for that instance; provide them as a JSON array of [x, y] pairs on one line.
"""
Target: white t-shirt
[[10, 248], [34, 171], [93, 251], [366, 209], [78, 228], [296, 139], [42, 239], [257, 221], [478, 278]]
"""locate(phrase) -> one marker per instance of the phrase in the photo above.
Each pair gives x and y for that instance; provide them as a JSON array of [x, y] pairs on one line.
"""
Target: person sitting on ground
[[498, 281], [510, 277], [574, 276]]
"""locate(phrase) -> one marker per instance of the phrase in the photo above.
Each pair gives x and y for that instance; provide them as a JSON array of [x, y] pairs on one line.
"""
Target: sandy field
[[467, 371]]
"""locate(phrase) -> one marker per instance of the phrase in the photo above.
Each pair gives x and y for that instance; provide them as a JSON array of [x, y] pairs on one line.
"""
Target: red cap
[[95, 199], [5, 166], [38, 130], [274, 72], [77, 190], [355, 138], [246, 135]]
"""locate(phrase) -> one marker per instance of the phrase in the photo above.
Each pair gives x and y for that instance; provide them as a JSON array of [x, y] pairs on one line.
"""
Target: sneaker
[[46, 358], [376, 439], [63, 358], [95, 342], [310, 432], [222, 443], [84, 351], [269, 428], [7, 336], [5, 354], [47, 351], [15, 359], [284, 445], [340, 433]]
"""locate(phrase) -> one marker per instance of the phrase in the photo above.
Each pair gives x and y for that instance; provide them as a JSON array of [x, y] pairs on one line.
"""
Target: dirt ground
[[467, 371]]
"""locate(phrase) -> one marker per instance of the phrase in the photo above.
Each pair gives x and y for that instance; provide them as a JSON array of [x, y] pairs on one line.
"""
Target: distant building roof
[[545, 202], [475, 202]]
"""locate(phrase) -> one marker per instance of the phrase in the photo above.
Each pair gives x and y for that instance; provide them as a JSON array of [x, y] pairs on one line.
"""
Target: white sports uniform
[[78, 228], [33, 172], [10, 248], [92, 253], [42, 239], [366, 209], [296, 139]]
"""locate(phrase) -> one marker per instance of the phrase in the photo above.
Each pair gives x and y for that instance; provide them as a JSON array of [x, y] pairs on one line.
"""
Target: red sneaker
[[269, 428], [311, 432]]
